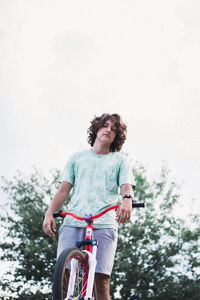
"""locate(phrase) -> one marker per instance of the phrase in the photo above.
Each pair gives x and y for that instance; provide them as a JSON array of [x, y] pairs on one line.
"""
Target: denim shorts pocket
[[113, 233]]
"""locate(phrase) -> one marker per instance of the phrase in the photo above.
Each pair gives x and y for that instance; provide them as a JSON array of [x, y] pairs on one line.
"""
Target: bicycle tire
[[60, 280]]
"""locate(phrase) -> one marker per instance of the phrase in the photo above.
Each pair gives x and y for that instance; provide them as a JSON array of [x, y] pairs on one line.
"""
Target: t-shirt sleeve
[[68, 171], [126, 173]]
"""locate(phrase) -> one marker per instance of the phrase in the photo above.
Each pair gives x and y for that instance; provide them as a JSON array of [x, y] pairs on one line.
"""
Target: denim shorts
[[107, 240]]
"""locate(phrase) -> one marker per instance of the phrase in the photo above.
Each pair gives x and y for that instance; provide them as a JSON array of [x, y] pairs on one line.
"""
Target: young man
[[95, 176]]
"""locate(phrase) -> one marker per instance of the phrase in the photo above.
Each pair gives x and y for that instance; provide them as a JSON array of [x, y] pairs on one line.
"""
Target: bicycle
[[78, 283]]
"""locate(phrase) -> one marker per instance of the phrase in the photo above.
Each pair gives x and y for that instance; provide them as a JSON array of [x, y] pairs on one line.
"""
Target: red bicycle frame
[[89, 243]]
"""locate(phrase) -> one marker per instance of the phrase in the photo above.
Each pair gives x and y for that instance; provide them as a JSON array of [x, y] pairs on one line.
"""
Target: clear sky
[[62, 62]]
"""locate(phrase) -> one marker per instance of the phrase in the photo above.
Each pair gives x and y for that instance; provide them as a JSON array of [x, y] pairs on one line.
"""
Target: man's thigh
[[107, 239], [68, 236]]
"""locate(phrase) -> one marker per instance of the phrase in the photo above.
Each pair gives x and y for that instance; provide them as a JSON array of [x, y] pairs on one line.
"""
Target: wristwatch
[[128, 196]]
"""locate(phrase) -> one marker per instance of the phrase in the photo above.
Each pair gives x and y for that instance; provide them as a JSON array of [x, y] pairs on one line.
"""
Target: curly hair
[[121, 130]]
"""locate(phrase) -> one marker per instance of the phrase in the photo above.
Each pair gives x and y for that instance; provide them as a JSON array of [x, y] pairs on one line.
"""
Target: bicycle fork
[[72, 278], [90, 280], [92, 266]]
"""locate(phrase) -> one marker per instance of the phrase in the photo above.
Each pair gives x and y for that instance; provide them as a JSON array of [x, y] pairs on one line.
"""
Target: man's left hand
[[123, 213]]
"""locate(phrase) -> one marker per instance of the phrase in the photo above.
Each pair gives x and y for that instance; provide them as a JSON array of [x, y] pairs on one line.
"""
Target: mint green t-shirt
[[96, 180]]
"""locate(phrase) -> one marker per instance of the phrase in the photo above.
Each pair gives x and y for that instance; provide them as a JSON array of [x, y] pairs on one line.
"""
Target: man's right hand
[[49, 225]]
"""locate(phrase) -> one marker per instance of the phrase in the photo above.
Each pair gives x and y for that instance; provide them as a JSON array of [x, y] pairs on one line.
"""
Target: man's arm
[[123, 213], [49, 225]]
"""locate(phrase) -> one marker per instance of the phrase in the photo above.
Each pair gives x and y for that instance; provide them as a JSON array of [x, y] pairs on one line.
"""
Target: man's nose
[[108, 129]]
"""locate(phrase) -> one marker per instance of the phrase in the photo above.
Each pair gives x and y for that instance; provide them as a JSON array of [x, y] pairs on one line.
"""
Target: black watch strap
[[128, 196]]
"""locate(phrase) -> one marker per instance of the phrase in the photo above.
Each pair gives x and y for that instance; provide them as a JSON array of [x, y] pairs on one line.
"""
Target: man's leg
[[102, 286], [68, 236], [107, 238]]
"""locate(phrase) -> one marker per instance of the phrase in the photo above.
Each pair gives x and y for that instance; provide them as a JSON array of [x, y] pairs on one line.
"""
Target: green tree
[[157, 256], [24, 242]]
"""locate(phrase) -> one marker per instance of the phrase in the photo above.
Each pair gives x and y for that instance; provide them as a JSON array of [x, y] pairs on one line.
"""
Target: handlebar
[[62, 213]]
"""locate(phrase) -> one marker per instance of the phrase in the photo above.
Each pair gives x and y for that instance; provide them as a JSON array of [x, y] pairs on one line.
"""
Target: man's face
[[107, 133]]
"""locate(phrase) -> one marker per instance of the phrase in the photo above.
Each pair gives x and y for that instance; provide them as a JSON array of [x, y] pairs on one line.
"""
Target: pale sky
[[62, 62]]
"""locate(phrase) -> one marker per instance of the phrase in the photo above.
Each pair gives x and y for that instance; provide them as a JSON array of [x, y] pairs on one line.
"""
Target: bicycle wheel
[[66, 287]]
